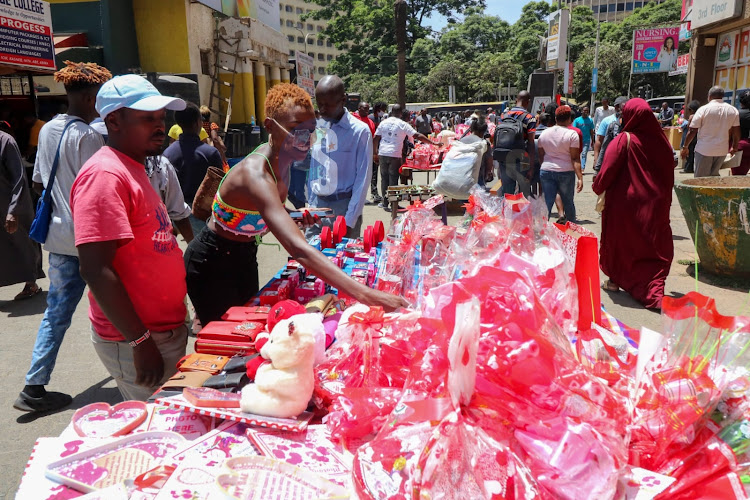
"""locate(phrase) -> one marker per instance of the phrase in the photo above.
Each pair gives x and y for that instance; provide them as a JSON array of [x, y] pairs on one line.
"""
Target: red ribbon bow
[[375, 316]]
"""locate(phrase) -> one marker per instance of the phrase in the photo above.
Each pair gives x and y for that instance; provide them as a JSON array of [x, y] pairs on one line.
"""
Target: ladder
[[225, 115]]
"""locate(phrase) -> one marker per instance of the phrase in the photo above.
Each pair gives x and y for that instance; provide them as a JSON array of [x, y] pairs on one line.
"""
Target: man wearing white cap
[[128, 255]]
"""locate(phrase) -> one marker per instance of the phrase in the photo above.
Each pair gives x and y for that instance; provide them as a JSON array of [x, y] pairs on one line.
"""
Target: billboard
[[557, 41], [306, 73], [265, 11], [683, 61], [26, 36], [655, 50]]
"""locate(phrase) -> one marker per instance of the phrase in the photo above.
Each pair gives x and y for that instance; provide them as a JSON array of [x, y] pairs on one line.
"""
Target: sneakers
[[380, 205], [50, 401]]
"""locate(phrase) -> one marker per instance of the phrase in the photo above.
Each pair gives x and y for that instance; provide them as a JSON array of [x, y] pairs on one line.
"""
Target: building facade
[[179, 37], [609, 10], [305, 36]]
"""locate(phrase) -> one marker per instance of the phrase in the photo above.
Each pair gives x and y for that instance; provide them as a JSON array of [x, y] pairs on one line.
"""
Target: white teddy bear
[[284, 386]]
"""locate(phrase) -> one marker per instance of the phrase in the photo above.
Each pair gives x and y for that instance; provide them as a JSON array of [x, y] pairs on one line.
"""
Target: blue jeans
[[297, 182], [196, 224], [584, 153], [512, 171], [65, 291], [564, 184]]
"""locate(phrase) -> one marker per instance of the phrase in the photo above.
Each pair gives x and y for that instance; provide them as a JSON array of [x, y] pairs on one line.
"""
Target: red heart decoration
[[103, 420]]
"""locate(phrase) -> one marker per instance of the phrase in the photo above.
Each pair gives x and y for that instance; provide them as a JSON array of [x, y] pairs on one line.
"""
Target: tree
[[526, 34], [582, 31], [614, 70], [424, 55], [477, 34]]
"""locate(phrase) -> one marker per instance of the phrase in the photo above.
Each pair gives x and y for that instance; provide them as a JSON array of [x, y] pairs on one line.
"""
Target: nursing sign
[[655, 50], [26, 35]]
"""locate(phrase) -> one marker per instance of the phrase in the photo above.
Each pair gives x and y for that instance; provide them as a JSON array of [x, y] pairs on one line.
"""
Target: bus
[[448, 107]]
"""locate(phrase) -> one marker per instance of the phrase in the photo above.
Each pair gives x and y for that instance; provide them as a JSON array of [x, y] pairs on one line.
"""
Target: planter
[[721, 205]]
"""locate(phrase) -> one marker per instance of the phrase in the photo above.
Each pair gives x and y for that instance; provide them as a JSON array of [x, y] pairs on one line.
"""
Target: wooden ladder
[[217, 82]]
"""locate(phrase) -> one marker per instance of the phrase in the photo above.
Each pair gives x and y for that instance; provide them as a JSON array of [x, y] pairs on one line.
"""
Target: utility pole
[[400, 15], [596, 55]]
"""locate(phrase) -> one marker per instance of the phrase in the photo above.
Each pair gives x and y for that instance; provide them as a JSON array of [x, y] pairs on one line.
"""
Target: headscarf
[[638, 119]]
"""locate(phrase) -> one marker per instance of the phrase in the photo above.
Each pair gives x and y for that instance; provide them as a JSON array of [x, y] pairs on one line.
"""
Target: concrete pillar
[[275, 75], [248, 91], [259, 70], [285, 76]]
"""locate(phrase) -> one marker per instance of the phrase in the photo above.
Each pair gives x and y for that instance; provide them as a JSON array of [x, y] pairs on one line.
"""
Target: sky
[[509, 10]]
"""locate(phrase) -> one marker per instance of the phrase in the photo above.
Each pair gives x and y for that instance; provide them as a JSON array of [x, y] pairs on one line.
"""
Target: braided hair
[[79, 76]]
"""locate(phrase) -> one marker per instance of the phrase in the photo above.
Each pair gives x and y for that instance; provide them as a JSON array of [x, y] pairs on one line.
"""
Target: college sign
[[705, 12], [26, 35]]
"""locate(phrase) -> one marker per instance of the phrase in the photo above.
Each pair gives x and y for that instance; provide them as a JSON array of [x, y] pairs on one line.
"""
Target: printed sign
[[655, 50], [569, 78], [557, 42], [685, 14], [26, 35], [705, 12], [265, 11], [594, 79], [683, 61], [306, 73], [726, 49]]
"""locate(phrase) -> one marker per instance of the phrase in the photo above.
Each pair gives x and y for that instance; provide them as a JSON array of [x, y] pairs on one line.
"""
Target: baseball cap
[[621, 100], [134, 92]]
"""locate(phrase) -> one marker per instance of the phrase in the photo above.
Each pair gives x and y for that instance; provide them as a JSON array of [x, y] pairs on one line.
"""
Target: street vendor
[[221, 263]]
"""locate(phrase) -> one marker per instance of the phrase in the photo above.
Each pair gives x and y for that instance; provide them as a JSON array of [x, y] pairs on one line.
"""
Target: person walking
[[71, 136], [389, 143], [363, 115], [424, 123], [638, 176], [585, 124], [341, 166], [602, 112], [690, 110], [560, 158], [744, 144], [129, 257], [515, 156], [609, 124]]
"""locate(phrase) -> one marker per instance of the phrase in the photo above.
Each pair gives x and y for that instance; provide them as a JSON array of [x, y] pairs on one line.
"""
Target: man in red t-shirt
[[362, 115], [128, 255]]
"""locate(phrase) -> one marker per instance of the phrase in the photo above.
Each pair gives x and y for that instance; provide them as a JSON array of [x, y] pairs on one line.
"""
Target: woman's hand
[[385, 300], [579, 185], [11, 224]]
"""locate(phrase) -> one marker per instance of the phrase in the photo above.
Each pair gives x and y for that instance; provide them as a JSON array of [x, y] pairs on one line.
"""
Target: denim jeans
[[512, 171], [564, 184], [297, 181], [584, 153], [196, 224], [65, 291]]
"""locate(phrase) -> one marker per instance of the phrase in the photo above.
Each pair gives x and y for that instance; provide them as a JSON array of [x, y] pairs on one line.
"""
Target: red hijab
[[638, 119]]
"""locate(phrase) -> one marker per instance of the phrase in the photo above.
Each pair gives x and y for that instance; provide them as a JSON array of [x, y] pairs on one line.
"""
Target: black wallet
[[227, 380], [237, 363]]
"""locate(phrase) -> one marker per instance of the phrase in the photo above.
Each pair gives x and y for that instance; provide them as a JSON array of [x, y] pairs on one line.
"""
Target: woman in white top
[[559, 155], [668, 55]]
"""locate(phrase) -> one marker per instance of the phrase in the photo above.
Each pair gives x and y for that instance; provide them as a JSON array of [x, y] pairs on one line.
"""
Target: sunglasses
[[302, 138]]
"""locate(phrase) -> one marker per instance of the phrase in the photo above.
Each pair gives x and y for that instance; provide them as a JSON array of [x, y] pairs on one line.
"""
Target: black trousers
[[221, 273]]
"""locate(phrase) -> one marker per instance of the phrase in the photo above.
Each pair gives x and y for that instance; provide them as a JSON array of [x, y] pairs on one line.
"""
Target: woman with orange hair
[[221, 262]]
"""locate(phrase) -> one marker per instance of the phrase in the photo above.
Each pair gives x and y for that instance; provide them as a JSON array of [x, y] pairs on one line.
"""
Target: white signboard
[[306, 73], [706, 12], [265, 11], [26, 35], [557, 41], [681, 68]]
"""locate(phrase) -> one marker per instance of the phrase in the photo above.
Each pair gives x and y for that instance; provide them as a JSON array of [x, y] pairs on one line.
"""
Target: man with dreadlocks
[[70, 136]]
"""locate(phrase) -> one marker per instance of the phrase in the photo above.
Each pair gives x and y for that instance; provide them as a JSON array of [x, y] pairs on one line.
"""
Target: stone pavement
[[80, 373]]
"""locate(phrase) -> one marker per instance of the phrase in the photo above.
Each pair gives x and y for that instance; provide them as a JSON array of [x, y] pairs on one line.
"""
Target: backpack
[[509, 136]]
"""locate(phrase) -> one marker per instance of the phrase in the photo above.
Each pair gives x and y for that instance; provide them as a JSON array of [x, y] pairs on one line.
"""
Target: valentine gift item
[[460, 169], [283, 388]]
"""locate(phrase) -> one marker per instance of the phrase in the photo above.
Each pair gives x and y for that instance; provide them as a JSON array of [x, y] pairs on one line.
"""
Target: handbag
[[600, 198], [42, 217], [204, 197]]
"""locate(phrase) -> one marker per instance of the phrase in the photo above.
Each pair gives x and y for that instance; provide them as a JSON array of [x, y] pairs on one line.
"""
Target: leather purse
[[198, 362], [247, 313], [227, 380], [204, 197], [180, 380], [239, 364]]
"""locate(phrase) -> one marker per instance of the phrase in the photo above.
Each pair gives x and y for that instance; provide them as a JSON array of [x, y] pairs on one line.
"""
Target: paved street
[[80, 373]]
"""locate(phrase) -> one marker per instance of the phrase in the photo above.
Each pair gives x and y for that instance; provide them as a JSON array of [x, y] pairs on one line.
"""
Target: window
[[290, 38], [319, 29], [329, 43], [321, 71], [628, 6], [311, 54], [638, 5], [321, 57], [290, 23], [205, 62], [291, 52], [299, 25], [310, 27], [300, 10], [329, 57], [300, 39], [320, 42], [288, 8], [620, 7], [281, 6]]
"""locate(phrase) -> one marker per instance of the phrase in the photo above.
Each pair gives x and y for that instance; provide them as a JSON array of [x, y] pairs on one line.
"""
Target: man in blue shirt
[[341, 165], [585, 124], [191, 157], [601, 131]]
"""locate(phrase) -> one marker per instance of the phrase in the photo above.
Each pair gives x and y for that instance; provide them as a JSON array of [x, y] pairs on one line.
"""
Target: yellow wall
[[259, 70], [243, 98], [161, 28]]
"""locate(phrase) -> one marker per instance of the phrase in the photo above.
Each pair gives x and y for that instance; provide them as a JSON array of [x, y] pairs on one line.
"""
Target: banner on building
[[683, 61], [306, 73], [655, 50], [705, 12], [557, 41], [685, 27], [568, 78], [265, 11], [26, 36]]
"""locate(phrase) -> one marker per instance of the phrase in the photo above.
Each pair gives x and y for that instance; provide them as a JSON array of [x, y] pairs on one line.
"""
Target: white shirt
[[600, 114], [556, 142], [79, 144], [714, 121], [392, 132], [164, 180]]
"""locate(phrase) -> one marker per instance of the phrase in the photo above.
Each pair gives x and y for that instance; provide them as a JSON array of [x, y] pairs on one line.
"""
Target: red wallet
[[247, 313], [228, 338]]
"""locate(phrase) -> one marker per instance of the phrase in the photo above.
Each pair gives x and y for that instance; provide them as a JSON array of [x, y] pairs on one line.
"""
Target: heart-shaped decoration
[[102, 420]]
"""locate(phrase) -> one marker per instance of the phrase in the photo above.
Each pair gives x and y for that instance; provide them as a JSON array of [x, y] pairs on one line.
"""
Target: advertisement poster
[[569, 78], [557, 41], [726, 49], [26, 36], [265, 11], [306, 73], [683, 61], [655, 50], [685, 27]]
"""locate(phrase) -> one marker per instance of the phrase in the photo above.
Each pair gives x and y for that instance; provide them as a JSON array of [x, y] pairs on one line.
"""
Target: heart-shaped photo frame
[[102, 420]]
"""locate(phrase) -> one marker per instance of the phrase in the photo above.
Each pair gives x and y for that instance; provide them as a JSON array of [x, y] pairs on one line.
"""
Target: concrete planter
[[721, 205]]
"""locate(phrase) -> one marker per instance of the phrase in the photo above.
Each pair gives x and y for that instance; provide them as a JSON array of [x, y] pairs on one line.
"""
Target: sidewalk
[[80, 373]]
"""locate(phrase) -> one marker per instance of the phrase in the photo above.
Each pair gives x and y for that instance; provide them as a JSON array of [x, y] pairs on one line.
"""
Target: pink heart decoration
[[103, 420]]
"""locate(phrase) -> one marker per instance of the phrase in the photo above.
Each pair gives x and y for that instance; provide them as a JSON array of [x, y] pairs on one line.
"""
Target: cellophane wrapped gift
[[703, 357]]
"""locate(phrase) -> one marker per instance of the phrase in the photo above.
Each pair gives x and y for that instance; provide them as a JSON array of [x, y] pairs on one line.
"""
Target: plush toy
[[284, 386]]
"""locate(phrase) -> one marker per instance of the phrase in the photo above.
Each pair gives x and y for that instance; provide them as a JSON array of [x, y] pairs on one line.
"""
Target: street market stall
[[504, 379]]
